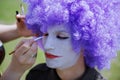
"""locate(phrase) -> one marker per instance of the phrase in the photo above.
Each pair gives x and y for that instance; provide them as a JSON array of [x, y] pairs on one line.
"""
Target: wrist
[[15, 70], [11, 74], [8, 33]]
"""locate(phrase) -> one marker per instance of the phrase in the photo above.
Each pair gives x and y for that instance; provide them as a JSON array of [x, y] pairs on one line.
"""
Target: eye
[[46, 34], [62, 37]]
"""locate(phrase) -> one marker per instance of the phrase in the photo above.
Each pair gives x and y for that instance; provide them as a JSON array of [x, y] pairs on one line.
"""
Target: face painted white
[[58, 42]]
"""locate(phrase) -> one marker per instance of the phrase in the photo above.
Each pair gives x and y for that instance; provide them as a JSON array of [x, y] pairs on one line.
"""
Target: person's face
[[58, 49]]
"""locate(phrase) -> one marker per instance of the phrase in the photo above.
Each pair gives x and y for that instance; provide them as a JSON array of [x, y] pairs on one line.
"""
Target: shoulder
[[38, 72], [92, 74], [99, 76], [96, 74]]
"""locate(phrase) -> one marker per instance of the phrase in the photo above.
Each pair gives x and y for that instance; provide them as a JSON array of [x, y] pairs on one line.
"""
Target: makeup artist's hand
[[22, 59], [25, 54], [21, 27]]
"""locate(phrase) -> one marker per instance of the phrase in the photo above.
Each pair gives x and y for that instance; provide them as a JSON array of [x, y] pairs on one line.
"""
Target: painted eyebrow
[[60, 31]]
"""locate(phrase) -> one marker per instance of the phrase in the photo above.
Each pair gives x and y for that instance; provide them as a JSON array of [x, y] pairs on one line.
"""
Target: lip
[[50, 56]]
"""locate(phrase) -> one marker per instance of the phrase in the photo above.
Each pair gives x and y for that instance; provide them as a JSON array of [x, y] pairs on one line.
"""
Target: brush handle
[[38, 38]]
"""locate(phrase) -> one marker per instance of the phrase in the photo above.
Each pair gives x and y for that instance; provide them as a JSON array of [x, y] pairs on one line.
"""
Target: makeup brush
[[22, 9], [36, 39]]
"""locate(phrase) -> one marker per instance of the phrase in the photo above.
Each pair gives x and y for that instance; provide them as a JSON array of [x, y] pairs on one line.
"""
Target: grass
[[7, 16]]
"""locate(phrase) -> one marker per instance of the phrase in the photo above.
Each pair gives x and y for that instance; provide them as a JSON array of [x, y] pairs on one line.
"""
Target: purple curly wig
[[94, 25]]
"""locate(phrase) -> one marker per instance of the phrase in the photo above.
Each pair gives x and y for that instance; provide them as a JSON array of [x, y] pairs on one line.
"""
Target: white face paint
[[58, 48]]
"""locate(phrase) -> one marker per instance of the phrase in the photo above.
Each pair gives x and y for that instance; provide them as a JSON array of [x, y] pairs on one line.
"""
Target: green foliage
[[114, 72], [8, 10]]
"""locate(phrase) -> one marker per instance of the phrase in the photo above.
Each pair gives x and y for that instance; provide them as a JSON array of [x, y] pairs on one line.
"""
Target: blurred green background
[[7, 16]]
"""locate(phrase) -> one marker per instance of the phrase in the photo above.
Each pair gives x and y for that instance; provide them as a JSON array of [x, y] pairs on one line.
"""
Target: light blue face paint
[[58, 49]]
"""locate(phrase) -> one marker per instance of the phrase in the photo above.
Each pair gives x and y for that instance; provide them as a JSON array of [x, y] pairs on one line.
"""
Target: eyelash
[[62, 37], [45, 34], [57, 36]]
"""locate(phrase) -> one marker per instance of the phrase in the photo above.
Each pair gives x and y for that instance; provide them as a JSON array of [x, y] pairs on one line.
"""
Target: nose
[[49, 44]]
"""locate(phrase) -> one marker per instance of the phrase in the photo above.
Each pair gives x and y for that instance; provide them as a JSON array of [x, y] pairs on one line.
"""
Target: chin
[[52, 66]]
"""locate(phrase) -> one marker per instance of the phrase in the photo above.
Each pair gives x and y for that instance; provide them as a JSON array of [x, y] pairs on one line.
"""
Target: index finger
[[30, 41], [23, 46], [20, 17], [20, 43]]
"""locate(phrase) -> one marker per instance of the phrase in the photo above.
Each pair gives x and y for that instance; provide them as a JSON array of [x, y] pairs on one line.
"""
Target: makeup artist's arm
[[22, 59], [8, 32], [11, 32]]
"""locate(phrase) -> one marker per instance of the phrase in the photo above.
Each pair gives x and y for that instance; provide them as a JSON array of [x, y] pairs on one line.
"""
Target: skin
[[22, 60], [11, 32], [21, 27], [74, 71], [69, 65], [8, 33], [64, 55]]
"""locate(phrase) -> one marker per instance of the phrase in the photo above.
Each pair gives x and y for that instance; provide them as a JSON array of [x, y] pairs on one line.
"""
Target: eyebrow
[[62, 31]]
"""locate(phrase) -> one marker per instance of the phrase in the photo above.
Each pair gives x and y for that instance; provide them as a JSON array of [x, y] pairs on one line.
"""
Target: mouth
[[50, 56]]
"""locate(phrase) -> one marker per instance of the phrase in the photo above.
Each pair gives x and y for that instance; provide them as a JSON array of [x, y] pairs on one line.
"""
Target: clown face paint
[[58, 49]]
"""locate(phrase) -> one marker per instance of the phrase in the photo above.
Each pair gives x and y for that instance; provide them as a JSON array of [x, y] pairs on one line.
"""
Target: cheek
[[64, 49], [63, 45]]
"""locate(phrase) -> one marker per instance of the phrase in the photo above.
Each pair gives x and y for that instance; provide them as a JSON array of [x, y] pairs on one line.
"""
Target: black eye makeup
[[46, 34], [60, 37]]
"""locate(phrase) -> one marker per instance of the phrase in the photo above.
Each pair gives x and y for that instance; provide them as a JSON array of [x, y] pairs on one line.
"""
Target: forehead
[[57, 28]]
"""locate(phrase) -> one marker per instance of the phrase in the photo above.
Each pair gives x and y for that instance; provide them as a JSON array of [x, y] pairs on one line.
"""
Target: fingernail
[[17, 13]]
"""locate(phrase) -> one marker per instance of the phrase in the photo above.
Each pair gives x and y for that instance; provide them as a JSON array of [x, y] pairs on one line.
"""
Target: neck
[[73, 72]]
